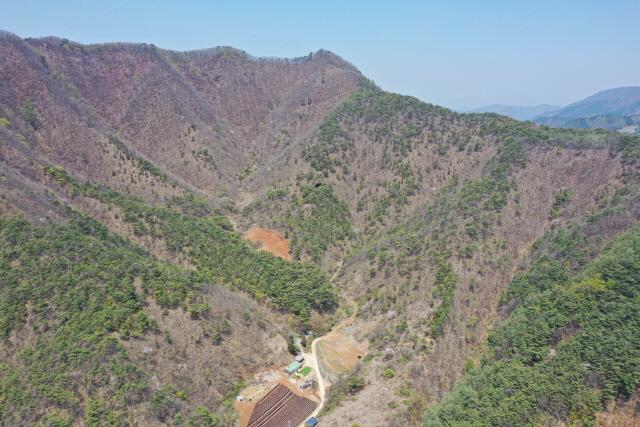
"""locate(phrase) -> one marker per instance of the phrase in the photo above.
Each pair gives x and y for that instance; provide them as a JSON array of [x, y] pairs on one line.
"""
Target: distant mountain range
[[622, 123], [518, 112], [622, 101], [617, 108]]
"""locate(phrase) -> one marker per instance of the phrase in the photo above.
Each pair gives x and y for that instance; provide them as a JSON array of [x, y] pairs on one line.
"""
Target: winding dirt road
[[312, 357]]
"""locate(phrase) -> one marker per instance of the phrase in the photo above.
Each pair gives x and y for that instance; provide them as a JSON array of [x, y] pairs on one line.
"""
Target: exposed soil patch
[[339, 352], [270, 241]]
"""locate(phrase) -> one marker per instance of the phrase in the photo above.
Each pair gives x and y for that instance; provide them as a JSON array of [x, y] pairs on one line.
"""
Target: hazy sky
[[456, 53]]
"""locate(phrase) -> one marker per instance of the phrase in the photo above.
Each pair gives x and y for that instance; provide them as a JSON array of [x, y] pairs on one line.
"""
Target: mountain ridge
[[616, 108], [213, 50], [518, 112]]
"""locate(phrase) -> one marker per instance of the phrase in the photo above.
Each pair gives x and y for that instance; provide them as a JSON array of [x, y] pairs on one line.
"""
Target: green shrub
[[78, 280], [355, 383], [163, 403], [561, 200], [388, 373], [203, 417]]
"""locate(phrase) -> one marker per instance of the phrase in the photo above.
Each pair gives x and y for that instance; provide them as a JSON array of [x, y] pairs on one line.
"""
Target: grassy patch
[[305, 371]]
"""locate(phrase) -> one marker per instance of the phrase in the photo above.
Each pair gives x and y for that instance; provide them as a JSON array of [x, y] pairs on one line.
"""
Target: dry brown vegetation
[[429, 219], [181, 354]]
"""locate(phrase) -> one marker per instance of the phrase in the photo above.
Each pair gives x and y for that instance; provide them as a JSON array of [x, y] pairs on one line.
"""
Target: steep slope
[[78, 122], [156, 123], [568, 345], [445, 208]]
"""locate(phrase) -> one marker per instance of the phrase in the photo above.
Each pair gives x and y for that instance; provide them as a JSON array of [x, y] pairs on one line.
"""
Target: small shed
[[312, 422], [293, 368], [299, 358]]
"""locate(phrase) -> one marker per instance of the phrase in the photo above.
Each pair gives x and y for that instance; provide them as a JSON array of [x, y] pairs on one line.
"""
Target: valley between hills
[[174, 223]]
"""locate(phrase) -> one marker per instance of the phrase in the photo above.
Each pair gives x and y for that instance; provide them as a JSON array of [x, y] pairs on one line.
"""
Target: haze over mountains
[[609, 109], [488, 266], [622, 101], [518, 112]]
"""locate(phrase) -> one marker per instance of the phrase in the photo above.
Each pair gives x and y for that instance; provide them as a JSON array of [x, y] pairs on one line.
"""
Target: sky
[[458, 53]]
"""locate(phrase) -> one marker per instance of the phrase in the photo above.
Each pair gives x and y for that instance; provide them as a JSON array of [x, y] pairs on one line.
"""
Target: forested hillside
[[74, 295], [568, 347], [430, 269]]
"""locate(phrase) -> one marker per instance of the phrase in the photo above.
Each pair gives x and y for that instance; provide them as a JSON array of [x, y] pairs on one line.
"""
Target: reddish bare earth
[[270, 241]]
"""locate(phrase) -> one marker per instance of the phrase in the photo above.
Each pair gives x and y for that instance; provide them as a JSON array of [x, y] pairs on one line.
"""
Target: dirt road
[[313, 359]]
